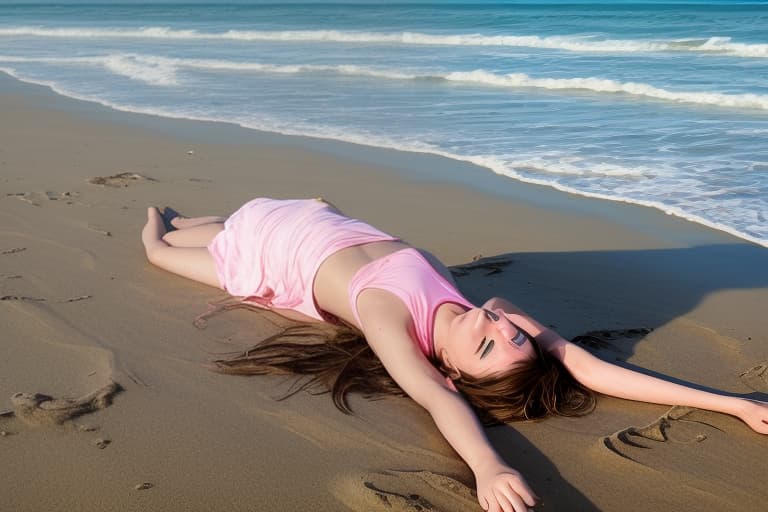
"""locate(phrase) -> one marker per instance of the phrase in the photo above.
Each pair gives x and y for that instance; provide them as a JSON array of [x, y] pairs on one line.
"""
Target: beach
[[82, 308]]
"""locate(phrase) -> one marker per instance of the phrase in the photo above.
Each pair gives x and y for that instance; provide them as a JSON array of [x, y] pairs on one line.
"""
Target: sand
[[118, 412]]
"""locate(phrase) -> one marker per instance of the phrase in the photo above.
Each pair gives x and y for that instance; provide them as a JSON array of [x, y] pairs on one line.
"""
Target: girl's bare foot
[[154, 229]]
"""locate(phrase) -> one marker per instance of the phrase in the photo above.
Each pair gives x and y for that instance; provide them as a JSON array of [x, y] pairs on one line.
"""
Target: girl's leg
[[194, 231], [198, 236], [191, 222], [194, 263]]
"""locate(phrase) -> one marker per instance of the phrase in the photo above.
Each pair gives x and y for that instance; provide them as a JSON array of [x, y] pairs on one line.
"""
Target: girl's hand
[[501, 488], [754, 414]]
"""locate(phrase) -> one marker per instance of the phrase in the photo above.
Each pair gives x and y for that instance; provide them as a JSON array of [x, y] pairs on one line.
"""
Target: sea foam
[[572, 43], [512, 168], [162, 71]]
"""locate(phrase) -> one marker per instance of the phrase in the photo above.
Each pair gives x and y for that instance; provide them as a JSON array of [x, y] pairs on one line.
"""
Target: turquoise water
[[655, 104]]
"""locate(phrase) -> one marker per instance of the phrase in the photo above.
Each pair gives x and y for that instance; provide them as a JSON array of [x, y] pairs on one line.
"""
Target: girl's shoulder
[[438, 265]]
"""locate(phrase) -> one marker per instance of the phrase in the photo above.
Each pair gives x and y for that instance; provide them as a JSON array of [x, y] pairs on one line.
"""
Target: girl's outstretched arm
[[499, 487], [613, 380]]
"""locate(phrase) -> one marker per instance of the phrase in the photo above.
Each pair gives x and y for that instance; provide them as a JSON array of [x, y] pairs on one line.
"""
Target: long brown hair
[[533, 389], [337, 359], [324, 358]]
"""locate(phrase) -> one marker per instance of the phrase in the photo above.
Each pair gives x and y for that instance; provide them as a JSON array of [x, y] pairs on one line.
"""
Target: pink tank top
[[408, 275]]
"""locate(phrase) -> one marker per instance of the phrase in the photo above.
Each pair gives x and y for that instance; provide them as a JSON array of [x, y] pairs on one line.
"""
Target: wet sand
[[118, 411]]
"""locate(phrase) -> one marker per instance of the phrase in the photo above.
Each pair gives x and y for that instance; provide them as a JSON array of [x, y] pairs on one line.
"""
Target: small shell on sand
[[144, 486]]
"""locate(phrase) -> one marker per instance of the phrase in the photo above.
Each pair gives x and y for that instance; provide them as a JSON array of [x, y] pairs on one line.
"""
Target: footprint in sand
[[756, 377], [405, 491], [37, 409], [120, 180], [36, 198]]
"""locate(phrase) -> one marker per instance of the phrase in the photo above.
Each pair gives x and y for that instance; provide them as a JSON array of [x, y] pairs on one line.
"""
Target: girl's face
[[482, 342]]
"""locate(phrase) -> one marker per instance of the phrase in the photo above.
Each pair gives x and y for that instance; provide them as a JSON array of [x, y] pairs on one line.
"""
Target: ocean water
[[659, 104]]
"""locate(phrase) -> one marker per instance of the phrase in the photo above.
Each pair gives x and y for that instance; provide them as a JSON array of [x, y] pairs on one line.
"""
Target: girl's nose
[[505, 327]]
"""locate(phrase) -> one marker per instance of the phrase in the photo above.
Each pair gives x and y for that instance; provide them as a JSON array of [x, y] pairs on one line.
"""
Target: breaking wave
[[573, 43], [162, 71]]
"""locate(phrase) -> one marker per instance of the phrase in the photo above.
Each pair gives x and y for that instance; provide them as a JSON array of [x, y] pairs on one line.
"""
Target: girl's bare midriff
[[335, 273]]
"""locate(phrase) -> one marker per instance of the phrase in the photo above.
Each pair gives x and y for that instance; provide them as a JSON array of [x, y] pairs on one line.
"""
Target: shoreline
[[81, 308], [410, 164]]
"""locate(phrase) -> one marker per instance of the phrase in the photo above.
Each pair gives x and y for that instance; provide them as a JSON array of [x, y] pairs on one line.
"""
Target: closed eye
[[488, 348]]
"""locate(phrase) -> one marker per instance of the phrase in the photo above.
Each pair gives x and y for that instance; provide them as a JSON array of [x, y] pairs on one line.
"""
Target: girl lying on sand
[[401, 318]]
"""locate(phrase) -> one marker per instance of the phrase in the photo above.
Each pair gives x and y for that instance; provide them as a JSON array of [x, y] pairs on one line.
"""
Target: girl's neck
[[445, 314]]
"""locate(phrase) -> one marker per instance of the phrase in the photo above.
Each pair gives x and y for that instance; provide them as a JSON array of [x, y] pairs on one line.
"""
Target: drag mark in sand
[[492, 265], [99, 230], [631, 441], [37, 409], [601, 339], [756, 377], [696, 449], [77, 299], [35, 198], [405, 491], [13, 250], [392, 499], [119, 180], [22, 298], [23, 196]]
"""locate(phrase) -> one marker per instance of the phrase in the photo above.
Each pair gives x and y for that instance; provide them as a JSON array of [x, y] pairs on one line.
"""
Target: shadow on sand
[[628, 289]]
